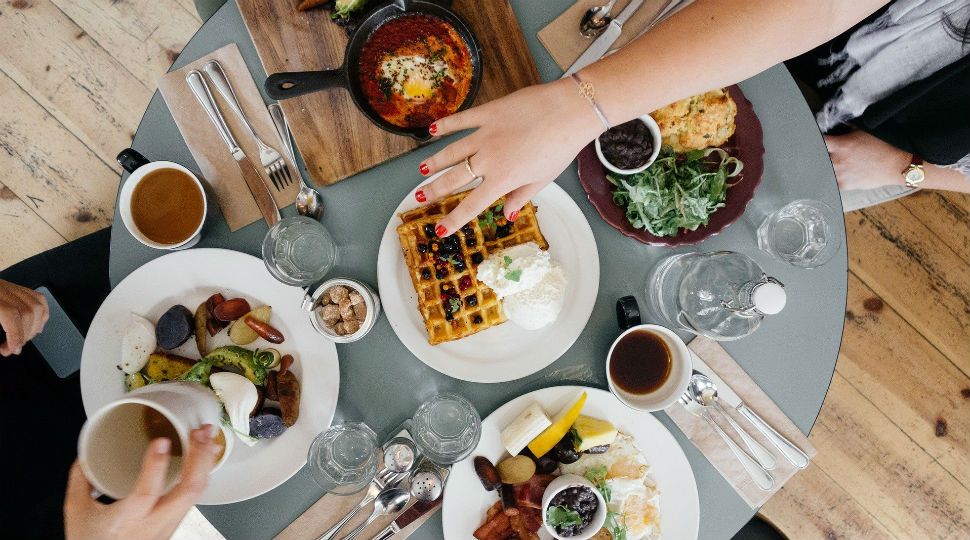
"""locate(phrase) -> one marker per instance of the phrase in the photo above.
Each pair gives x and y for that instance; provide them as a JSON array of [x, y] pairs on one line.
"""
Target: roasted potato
[[288, 392], [240, 333], [201, 329], [166, 367], [134, 380]]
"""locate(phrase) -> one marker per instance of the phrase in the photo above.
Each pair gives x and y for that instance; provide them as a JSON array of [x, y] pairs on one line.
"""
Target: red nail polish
[[441, 231], [514, 215], [425, 170], [433, 129], [419, 195]]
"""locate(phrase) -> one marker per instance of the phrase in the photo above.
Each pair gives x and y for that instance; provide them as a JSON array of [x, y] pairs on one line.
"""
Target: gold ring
[[468, 167]]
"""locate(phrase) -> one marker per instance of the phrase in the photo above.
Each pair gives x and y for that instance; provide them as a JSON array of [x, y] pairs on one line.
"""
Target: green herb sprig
[[614, 521], [560, 516], [678, 191]]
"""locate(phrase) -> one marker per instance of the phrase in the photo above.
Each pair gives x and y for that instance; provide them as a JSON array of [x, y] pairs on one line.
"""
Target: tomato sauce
[[415, 69]]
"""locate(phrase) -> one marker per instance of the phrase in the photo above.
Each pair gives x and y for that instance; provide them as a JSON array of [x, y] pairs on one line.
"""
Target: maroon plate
[[746, 144]]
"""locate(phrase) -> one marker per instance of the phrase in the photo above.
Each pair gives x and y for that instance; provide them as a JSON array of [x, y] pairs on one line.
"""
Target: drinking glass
[[299, 251], [446, 428], [344, 459], [801, 233]]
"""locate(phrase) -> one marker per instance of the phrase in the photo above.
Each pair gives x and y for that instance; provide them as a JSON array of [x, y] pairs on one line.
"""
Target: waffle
[[452, 302]]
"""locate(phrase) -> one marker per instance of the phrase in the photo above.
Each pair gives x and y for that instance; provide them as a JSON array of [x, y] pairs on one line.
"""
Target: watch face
[[914, 176]]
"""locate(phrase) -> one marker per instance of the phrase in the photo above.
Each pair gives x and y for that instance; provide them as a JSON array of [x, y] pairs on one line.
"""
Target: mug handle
[[130, 159], [627, 312]]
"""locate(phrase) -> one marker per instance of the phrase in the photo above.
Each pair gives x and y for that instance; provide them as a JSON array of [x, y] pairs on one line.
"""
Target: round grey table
[[792, 356]]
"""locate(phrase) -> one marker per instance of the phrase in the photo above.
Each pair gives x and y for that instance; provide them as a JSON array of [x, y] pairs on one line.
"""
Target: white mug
[[138, 168], [672, 388], [113, 441]]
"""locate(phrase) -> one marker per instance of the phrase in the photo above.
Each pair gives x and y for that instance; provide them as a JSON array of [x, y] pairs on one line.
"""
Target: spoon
[[389, 501], [703, 392], [709, 398], [596, 19], [309, 202]]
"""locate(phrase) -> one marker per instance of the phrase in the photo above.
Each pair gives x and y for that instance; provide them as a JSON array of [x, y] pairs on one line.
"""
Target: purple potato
[[174, 327], [268, 424]]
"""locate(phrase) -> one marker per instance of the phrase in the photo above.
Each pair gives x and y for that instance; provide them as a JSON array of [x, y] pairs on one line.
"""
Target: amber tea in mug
[[167, 206], [640, 362]]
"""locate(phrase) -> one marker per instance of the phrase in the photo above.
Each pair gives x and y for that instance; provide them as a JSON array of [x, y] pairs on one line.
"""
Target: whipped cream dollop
[[529, 282]]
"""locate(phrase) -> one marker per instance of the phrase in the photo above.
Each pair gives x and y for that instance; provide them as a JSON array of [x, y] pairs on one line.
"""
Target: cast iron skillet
[[297, 83]]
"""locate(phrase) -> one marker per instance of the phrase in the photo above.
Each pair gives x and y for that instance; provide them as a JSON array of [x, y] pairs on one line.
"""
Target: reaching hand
[[23, 313], [863, 161], [148, 512], [520, 144]]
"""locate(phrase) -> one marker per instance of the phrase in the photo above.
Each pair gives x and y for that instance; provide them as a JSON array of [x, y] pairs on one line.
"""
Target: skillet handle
[[288, 85]]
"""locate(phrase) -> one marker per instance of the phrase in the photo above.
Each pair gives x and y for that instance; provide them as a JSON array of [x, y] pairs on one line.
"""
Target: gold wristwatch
[[914, 174]]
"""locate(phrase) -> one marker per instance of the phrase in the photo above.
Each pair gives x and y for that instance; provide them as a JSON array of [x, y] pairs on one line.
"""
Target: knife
[[602, 44], [264, 199], [408, 517], [792, 453]]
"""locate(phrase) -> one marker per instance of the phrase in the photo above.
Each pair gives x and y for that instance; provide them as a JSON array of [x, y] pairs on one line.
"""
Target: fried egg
[[633, 493], [414, 77]]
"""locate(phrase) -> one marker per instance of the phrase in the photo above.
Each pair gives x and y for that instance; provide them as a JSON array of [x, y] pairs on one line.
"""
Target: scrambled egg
[[633, 493], [414, 77], [698, 122]]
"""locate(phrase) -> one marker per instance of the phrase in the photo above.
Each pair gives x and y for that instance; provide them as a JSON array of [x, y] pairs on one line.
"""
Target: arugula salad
[[678, 191]]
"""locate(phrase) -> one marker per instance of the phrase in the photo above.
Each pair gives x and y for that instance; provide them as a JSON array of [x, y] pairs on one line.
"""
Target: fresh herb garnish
[[513, 275], [614, 521], [454, 304], [679, 191], [343, 9], [387, 86], [560, 516], [507, 260], [488, 219]]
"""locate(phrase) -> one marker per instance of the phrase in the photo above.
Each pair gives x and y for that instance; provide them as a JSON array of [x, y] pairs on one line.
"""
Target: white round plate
[[504, 352], [188, 278], [466, 501]]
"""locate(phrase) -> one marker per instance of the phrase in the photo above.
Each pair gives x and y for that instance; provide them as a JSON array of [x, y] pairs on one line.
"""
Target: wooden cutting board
[[335, 139]]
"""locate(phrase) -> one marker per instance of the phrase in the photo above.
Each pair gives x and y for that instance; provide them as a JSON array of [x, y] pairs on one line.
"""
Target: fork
[[383, 479], [273, 163], [762, 478]]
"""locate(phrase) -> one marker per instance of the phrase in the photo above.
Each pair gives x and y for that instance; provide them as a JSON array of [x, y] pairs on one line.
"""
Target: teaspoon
[[389, 501]]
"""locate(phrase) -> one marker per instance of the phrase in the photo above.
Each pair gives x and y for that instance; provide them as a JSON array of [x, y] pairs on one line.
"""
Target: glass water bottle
[[721, 295]]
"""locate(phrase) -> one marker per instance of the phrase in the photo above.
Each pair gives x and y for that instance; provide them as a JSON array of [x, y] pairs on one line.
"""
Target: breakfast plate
[[504, 352], [466, 501], [189, 278], [746, 144]]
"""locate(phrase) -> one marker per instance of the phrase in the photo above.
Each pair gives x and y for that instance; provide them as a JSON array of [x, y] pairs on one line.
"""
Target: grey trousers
[[861, 198]]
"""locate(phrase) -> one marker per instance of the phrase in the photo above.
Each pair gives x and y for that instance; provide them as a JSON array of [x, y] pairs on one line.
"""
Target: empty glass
[[299, 251], [801, 233], [344, 459], [446, 428]]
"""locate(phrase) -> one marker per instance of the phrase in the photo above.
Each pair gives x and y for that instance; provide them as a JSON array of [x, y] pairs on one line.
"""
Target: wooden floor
[[893, 436]]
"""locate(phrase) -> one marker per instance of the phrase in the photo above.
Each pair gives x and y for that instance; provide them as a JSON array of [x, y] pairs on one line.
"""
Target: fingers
[[201, 457], [154, 470], [467, 119], [450, 155], [42, 310], [518, 198], [444, 185], [78, 496], [476, 201], [14, 324]]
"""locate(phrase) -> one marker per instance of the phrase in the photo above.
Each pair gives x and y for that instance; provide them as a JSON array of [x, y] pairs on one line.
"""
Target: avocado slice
[[199, 372], [240, 359]]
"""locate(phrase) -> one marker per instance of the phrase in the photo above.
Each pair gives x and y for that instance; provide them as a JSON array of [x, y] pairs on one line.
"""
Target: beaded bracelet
[[589, 93]]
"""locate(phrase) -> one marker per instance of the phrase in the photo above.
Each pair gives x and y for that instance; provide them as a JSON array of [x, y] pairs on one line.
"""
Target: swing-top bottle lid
[[769, 296]]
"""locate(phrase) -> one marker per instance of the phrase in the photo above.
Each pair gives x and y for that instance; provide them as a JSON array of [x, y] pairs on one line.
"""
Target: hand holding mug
[[148, 512]]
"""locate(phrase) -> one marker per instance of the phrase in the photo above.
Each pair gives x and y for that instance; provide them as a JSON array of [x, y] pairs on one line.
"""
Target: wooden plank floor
[[893, 435]]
